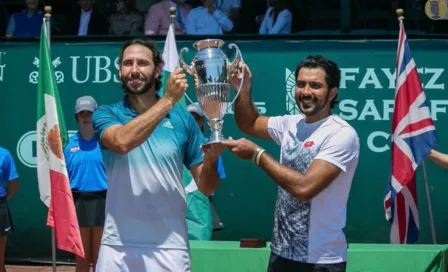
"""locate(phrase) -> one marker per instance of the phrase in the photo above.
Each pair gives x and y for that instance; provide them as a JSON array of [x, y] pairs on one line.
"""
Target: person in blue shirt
[[207, 20], [87, 180], [26, 23], [9, 183], [146, 140], [195, 219]]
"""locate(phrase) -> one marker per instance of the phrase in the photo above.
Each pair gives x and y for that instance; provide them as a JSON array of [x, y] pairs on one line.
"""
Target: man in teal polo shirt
[[146, 141]]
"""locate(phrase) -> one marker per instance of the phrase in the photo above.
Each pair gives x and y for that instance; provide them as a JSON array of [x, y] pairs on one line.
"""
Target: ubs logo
[[34, 76]]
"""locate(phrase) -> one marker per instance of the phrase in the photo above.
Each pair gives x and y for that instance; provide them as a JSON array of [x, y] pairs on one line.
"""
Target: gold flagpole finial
[[400, 14], [172, 14], [47, 11]]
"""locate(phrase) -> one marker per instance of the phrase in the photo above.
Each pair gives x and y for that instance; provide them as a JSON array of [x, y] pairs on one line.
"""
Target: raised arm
[[438, 158], [224, 21], [247, 116], [124, 138]]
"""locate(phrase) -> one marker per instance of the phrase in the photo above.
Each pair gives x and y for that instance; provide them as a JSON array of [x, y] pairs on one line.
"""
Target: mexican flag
[[52, 174]]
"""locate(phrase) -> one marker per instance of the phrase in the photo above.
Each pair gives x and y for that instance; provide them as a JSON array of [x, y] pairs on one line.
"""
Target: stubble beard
[[149, 83]]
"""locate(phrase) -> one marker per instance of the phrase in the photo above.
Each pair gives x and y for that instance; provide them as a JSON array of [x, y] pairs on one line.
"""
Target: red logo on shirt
[[308, 144]]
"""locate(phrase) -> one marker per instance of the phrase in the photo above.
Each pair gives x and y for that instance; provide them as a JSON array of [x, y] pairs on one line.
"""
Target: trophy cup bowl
[[211, 70]]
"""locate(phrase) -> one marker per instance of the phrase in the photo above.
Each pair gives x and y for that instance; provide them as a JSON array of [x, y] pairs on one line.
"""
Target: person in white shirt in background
[[278, 19], [207, 20]]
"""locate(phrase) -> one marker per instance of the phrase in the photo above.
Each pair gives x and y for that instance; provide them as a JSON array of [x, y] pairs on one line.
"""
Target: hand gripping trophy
[[211, 70]]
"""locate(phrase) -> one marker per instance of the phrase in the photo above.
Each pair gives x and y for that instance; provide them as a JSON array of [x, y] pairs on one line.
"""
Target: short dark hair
[[332, 72], [156, 55]]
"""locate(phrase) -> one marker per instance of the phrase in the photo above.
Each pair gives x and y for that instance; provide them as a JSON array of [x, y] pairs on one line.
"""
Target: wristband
[[257, 160], [254, 156]]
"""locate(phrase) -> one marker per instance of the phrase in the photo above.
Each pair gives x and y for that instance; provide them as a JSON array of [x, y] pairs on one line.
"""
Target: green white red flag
[[54, 187]]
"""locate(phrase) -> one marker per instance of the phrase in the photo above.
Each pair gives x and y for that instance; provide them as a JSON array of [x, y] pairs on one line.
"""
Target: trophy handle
[[234, 65], [186, 67]]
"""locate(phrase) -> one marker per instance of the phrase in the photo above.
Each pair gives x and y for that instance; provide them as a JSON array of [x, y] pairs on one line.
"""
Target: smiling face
[[312, 94], [137, 70]]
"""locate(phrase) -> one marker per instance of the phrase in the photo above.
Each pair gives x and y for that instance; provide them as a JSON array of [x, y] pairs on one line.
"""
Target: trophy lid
[[208, 43]]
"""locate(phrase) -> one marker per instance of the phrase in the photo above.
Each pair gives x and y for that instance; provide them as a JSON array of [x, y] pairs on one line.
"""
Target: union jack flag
[[413, 136]]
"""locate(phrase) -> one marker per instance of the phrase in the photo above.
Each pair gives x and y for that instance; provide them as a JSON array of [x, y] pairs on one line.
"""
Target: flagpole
[[48, 30], [400, 14], [173, 19], [428, 201]]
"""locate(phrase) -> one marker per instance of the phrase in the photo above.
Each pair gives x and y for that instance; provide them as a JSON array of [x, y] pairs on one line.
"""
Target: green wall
[[246, 199]]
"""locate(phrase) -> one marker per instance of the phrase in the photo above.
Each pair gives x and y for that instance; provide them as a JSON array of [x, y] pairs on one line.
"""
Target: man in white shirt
[[318, 159], [207, 20]]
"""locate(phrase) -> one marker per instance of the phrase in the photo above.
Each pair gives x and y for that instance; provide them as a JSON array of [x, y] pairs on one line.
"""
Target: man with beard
[[146, 140], [319, 156]]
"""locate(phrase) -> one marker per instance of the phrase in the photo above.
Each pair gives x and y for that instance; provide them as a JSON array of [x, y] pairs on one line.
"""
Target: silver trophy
[[211, 70]]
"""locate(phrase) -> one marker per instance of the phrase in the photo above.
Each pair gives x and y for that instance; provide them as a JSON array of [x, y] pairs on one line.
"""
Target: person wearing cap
[[88, 181], [9, 183], [202, 216]]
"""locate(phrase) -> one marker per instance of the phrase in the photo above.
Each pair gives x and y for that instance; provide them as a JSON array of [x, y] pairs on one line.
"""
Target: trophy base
[[216, 137]]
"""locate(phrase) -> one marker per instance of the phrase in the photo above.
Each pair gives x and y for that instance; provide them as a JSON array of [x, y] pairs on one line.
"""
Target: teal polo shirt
[[145, 205]]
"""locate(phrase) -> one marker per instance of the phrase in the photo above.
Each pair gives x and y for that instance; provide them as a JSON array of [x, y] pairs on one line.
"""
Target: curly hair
[[332, 72], [156, 55]]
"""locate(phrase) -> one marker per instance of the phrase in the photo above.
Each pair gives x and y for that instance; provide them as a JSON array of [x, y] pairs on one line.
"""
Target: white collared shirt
[[84, 22]]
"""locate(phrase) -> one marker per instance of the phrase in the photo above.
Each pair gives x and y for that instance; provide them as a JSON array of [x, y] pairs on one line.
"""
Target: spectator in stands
[[231, 8], [144, 5], [278, 19], [3, 19], [88, 182], [86, 20], [26, 23], [127, 20], [259, 18], [9, 177], [207, 20], [157, 20]]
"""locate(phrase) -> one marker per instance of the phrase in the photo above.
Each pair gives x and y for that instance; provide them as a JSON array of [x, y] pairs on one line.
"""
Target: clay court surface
[[22, 268]]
